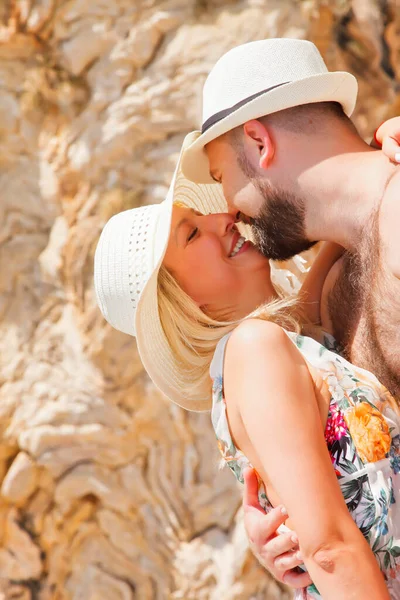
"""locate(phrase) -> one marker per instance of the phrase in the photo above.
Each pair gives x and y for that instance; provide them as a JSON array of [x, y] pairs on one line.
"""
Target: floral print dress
[[363, 438]]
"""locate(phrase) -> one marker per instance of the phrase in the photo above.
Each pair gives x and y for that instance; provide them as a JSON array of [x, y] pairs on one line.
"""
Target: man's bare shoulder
[[389, 224]]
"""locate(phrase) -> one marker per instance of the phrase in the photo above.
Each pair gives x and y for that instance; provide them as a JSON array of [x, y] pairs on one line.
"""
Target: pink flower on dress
[[336, 426]]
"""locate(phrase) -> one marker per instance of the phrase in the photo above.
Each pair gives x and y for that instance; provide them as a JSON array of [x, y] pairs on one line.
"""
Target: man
[[277, 135]]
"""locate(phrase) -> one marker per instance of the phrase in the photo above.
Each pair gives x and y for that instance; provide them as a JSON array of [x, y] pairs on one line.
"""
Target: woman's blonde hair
[[193, 335]]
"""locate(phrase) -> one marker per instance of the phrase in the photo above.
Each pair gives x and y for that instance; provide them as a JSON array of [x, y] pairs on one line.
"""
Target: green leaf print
[[348, 466], [236, 470], [386, 554], [352, 492], [375, 545], [312, 589], [344, 404], [386, 560], [367, 514], [395, 551]]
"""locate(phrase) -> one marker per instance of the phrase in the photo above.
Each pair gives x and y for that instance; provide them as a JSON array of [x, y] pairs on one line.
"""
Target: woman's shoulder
[[252, 337], [257, 342], [254, 334]]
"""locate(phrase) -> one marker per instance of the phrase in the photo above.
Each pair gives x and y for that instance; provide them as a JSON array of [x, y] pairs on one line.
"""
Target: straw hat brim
[[154, 350], [337, 86]]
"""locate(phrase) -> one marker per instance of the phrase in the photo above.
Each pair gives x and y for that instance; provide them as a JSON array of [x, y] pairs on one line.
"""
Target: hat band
[[227, 111]]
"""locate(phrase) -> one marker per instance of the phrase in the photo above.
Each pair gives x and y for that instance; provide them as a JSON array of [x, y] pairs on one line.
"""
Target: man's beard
[[279, 228]]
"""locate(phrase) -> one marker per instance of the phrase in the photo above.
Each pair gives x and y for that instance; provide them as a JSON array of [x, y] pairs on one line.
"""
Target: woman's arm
[[275, 420], [311, 290]]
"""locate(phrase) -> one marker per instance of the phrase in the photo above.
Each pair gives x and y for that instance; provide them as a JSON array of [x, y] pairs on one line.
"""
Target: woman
[[322, 435]]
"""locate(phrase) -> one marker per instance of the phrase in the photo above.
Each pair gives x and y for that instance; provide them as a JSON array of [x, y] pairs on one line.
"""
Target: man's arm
[[276, 551]]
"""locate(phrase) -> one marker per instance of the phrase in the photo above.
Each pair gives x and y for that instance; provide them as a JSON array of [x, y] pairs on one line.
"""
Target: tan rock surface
[[107, 491]]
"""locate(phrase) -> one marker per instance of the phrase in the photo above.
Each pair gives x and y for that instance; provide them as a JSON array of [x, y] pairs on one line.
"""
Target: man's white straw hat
[[260, 78], [128, 257]]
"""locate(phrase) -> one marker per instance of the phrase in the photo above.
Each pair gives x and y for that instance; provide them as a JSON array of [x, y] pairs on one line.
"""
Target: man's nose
[[240, 217]]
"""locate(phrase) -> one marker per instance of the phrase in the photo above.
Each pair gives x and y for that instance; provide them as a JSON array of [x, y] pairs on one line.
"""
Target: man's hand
[[278, 553], [387, 137]]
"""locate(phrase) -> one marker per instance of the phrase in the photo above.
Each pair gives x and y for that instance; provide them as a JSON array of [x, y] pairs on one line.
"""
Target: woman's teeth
[[237, 247]]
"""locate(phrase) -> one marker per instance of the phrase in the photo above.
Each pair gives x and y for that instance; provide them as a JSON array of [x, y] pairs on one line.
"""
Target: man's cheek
[[248, 201]]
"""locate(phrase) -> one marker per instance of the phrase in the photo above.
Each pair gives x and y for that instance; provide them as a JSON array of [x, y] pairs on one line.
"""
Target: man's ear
[[257, 135]]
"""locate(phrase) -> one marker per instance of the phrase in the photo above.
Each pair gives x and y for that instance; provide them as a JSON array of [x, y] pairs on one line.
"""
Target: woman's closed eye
[[193, 234]]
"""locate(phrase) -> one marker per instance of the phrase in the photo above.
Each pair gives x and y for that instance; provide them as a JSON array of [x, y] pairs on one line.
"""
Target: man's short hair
[[303, 119]]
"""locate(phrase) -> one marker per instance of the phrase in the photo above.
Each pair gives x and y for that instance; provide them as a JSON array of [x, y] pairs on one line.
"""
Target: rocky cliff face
[[107, 491]]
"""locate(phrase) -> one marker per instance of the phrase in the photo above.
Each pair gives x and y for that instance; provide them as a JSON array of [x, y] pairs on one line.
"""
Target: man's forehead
[[215, 145], [216, 151]]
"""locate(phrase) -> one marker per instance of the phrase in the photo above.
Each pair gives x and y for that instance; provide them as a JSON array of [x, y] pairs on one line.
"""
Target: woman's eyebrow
[[183, 221]]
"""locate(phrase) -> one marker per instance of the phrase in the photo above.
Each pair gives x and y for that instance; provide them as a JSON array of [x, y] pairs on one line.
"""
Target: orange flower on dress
[[369, 431]]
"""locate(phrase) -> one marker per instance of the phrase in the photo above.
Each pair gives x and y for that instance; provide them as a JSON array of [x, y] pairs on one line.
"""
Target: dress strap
[[217, 363]]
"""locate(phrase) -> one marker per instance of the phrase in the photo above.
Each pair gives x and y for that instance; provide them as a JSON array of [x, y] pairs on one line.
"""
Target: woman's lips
[[235, 239], [245, 247]]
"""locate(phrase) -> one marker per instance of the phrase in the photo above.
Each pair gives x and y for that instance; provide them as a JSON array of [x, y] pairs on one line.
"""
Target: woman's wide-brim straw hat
[[128, 257], [259, 78]]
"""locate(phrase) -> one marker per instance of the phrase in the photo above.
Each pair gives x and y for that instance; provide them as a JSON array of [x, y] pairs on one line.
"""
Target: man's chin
[[282, 252]]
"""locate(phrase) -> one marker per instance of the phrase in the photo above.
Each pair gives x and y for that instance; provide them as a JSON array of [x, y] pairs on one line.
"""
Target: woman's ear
[[259, 138]]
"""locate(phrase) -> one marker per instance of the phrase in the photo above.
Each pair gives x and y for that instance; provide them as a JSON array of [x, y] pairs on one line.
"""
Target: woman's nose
[[221, 223]]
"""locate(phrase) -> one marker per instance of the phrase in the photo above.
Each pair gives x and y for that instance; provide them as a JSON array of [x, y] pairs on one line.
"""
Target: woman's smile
[[240, 245], [214, 264]]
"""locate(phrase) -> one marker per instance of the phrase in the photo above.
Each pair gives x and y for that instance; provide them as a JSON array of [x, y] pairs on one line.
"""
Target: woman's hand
[[387, 137]]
